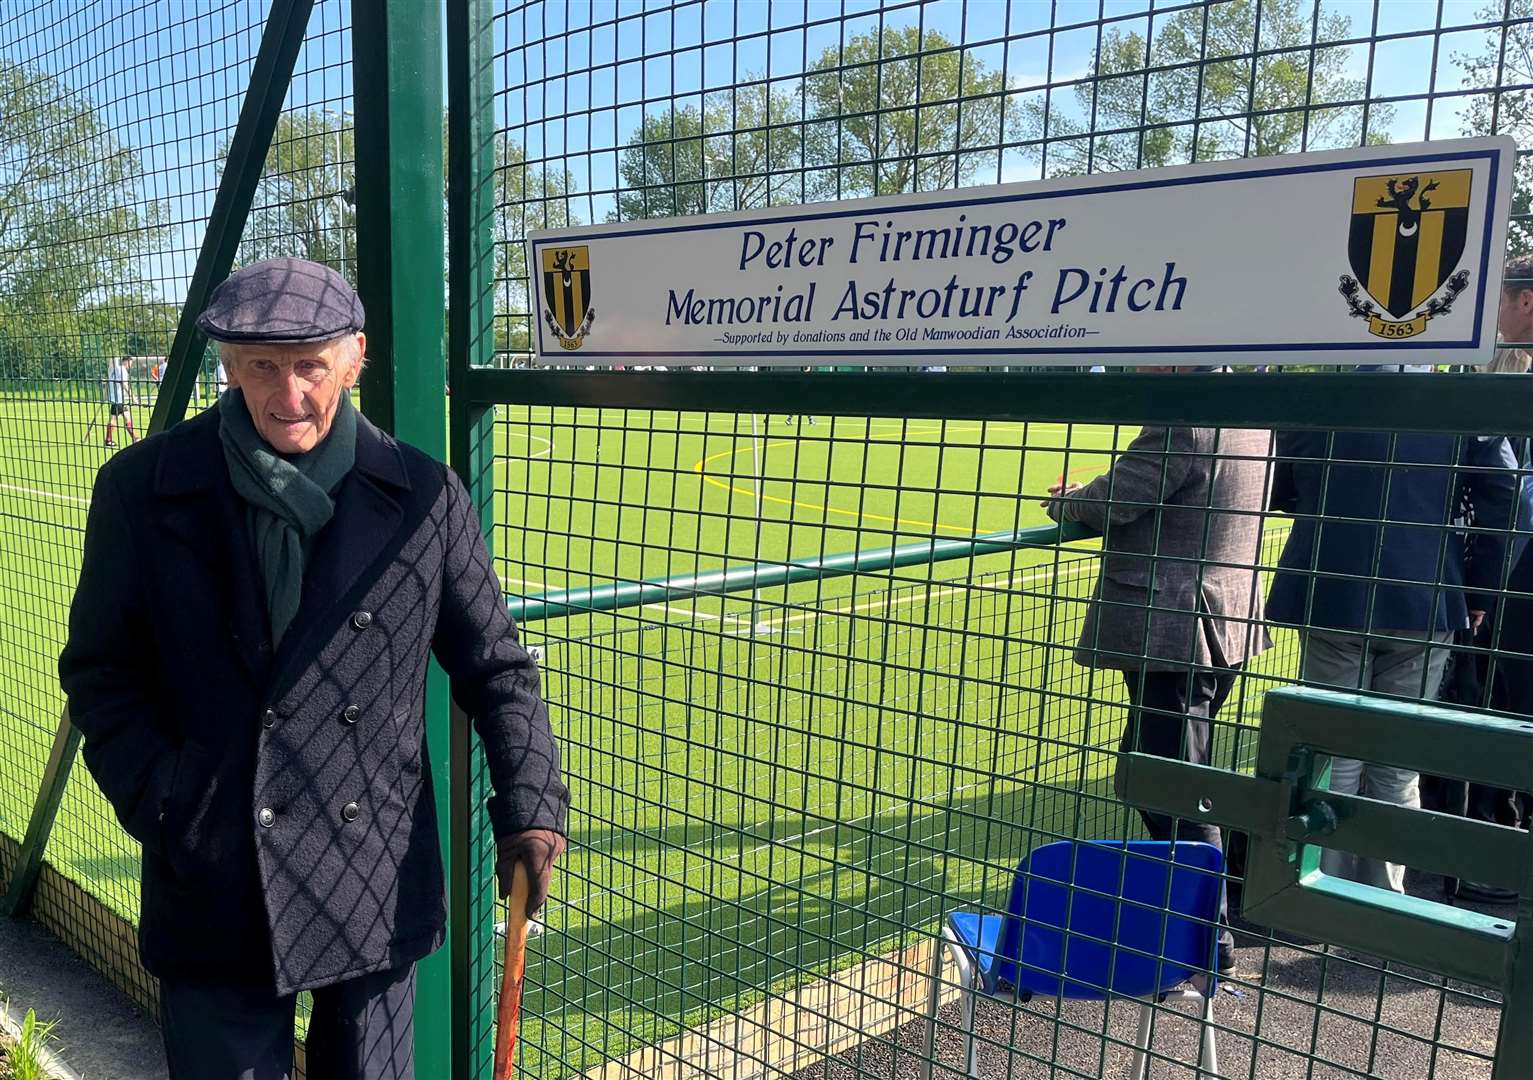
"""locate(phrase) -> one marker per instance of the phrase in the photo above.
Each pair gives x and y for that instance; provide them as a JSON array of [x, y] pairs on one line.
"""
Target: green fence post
[[470, 341], [281, 41], [29, 859], [397, 72]]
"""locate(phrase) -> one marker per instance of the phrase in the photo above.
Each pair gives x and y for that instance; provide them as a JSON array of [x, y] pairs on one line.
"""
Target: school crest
[[1406, 239], [567, 294]]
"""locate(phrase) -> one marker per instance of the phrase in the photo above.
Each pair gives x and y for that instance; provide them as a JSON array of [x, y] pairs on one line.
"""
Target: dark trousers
[[1478, 680], [361, 1029], [1169, 716]]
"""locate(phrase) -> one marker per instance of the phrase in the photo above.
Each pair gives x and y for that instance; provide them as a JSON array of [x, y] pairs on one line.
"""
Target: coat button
[[266, 817], [269, 718], [350, 713], [350, 811], [362, 620]]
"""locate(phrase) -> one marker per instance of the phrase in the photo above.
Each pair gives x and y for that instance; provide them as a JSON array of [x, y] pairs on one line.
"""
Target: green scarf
[[289, 497]]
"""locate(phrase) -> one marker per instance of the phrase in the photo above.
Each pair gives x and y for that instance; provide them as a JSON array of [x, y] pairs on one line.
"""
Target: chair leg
[[1140, 1070], [1208, 1064], [968, 979], [933, 1004], [968, 975], [970, 1054]]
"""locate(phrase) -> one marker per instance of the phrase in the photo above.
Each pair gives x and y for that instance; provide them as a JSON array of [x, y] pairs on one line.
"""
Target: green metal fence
[[125, 129], [807, 639], [779, 792]]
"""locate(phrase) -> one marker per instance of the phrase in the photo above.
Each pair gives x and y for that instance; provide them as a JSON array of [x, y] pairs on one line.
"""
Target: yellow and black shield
[[1407, 235], [567, 287]]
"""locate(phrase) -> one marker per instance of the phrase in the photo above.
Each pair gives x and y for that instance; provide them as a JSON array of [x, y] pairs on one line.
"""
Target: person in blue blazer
[[1398, 541]]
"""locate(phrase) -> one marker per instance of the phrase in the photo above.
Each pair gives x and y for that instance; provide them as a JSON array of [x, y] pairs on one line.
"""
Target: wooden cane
[[509, 1013]]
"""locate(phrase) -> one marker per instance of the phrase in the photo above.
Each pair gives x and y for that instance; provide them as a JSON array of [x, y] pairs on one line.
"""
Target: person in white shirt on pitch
[[119, 395]]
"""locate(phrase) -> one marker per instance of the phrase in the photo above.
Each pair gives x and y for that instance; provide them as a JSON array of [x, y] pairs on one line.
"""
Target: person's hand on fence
[[1476, 620], [536, 849], [1058, 492]]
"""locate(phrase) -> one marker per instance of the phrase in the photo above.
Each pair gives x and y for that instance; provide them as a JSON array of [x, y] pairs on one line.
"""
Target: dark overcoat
[[283, 797]]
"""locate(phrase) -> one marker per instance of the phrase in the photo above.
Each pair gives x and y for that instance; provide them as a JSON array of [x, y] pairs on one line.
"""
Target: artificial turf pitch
[[767, 786]]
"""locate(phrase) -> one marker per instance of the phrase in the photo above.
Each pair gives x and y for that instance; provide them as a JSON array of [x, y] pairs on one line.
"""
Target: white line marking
[[548, 445], [46, 494]]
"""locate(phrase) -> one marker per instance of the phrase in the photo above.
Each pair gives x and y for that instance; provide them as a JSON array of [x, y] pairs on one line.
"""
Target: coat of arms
[[1406, 239], [567, 294]]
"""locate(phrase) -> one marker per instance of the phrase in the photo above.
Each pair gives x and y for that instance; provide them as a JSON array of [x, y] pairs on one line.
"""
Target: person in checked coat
[[306, 566], [1177, 609]]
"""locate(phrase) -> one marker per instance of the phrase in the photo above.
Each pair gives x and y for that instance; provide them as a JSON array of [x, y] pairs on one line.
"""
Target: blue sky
[[169, 74]]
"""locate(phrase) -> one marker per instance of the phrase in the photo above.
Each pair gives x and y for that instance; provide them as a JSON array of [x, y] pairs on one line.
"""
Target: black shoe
[[1477, 893], [1228, 963]]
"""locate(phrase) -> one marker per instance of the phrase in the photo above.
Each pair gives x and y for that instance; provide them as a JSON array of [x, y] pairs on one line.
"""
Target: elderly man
[[306, 566], [1177, 609]]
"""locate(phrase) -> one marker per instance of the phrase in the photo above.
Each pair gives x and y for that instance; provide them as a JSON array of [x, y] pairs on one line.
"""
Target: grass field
[[768, 785]]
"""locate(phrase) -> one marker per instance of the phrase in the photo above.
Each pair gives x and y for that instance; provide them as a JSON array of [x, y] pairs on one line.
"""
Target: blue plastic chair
[[1093, 919]]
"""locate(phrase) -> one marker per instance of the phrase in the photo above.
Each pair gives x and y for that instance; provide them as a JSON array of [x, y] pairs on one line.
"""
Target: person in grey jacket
[[307, 567], [1177, 609]]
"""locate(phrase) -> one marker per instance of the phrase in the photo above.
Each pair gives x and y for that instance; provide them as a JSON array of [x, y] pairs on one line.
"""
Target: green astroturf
[[767, 786]]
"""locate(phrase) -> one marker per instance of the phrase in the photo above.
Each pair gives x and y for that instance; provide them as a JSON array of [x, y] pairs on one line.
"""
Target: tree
[[74, 222], [305, 203], [1505, 112], [1139, 111], [740, 150], [890, 112], [902, 111], [527, 197], [73, 214]]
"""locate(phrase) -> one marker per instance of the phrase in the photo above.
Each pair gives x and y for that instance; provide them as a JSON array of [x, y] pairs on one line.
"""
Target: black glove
[[536, 849]]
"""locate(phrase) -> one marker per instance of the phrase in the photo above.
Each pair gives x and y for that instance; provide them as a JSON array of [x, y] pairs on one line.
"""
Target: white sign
[[1382, 254]]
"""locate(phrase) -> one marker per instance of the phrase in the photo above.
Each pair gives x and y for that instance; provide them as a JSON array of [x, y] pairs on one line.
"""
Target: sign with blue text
[[1386, 254]]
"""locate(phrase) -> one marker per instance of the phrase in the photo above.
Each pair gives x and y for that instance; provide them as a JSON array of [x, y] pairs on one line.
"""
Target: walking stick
[[94, 416], [509, 1013]]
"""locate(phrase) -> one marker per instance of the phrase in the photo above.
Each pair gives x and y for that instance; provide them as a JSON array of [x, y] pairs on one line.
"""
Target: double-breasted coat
[[1180, 514], [283, 796]]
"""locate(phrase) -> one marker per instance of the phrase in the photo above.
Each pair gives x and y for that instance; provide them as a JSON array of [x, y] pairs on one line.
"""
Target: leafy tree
[[904, 111], [74, 220], [1506, 112], [740, 150], [305, 203], [892, 112], [1138, 111], [527, 197], [72, 211]]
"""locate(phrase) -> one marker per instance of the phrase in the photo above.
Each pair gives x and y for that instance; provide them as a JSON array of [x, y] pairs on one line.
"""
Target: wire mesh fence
[[612, 113], [117, 121], [780, 792], [618, 114]]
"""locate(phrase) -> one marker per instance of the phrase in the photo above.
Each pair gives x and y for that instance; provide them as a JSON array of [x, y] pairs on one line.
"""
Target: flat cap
[[282, 301]]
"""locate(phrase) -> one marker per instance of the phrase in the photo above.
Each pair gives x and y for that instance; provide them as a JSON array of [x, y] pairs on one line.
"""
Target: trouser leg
[[215, 1032], [1483, 803], [1337, 660], [1169, 717], [1403, 669], [364, 1028]]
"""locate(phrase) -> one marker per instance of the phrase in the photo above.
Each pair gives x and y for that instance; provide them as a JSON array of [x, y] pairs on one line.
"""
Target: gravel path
[[1291, 1013]]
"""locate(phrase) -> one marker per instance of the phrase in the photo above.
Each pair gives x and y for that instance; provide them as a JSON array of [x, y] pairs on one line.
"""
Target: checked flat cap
[[282, 301]]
